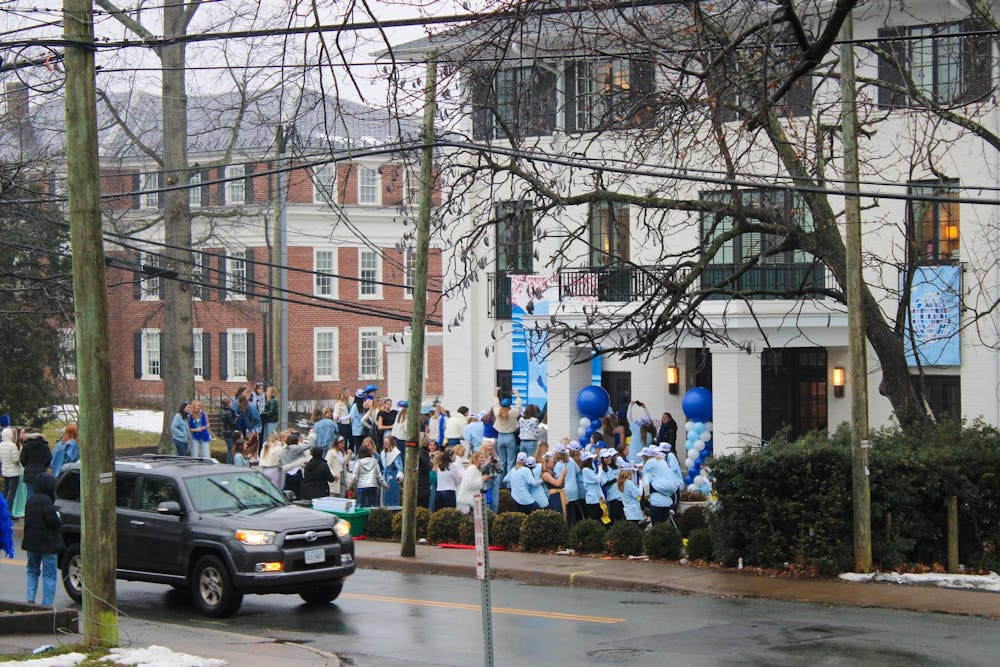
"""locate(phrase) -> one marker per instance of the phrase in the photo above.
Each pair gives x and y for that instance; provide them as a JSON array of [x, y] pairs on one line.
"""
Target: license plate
[[314, 556]]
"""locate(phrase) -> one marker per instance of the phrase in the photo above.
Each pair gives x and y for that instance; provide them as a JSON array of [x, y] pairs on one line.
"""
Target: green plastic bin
[[358, 519]]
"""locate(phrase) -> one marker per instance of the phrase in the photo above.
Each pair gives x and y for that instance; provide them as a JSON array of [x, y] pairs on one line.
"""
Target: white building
[[584, 94]]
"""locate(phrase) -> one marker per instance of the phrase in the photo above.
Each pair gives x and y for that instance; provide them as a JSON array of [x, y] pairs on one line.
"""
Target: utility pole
[[93, 335], [408, 543], [279, 313], [860, 489]]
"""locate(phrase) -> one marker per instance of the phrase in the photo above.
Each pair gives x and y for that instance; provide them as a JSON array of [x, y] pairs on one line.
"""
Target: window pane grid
[[367, 186], [199, 358], [371, 354], [236, 189], [236, 276], [324, 267], [238, 354], [194, 193], [325, 354], [151, 341], [369, 273]]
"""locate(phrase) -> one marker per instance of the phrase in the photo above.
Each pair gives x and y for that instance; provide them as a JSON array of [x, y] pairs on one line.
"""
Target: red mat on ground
[[446, 545]]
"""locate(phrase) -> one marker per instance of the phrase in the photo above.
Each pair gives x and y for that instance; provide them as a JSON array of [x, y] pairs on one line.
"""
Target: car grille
[[300, 540]]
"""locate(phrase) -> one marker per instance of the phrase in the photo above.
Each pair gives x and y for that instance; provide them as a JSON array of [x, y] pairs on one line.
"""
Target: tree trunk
[[177, 346]]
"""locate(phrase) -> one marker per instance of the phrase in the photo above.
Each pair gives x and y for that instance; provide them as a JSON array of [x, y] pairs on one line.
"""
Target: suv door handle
[[135, 522]]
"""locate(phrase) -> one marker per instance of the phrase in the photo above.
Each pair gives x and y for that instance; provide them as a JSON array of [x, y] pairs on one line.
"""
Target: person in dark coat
[[424, 474], [668, 430], [316, 476], [42, 539], [35, 457]]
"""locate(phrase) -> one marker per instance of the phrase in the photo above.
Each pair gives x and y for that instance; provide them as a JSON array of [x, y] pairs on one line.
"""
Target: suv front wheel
[[322, 594], [213, 589], [72, 572]]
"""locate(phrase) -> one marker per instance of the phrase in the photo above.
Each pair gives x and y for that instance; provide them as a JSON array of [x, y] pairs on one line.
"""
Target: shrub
[[624, 539], [423, 518], [506, 531], [588, 536], [380, 523], [664, 542], [690, 520], [699, 546], [467, 528], [443, 527], [544, 530]]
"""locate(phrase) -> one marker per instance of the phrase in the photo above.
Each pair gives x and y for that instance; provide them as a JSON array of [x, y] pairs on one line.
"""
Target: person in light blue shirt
[[250, 414], [66, 451], [473, 433], [667, 454], [662, 485], [539, 492], [325, 429], [356, 415], [609, 484], [630, 493], [521, 481], [591, 488], [570, 485], [179, 432]]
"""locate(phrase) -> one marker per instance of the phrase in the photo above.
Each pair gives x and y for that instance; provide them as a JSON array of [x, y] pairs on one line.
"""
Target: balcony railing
[[616, 283], [499, 305], [778, 278]]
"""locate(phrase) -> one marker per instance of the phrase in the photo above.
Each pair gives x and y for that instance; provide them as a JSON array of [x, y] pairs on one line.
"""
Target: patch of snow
[[146, 421], [158, 656], [64, 660], [978, 582]]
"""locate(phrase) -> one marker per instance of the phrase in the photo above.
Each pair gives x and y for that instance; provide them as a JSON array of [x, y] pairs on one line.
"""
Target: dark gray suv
[[217, 530]]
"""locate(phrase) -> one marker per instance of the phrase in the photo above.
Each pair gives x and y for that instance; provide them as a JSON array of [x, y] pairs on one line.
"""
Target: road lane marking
[[553, 615], [12, 561]]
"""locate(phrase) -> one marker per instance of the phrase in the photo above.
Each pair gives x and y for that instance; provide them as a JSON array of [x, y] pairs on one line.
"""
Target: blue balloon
[[698, 428], [593, 401], [697, 404], [595, 424]]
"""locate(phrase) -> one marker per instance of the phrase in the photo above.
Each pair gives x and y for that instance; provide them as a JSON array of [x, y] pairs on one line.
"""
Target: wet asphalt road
[[390, 619]]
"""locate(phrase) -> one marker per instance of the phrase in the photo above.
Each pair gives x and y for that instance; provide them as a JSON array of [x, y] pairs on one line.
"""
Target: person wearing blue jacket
[[570, 485], [591, 488], [356, 415], [521, 481], [66, 451], [325, 429], [609, 484], [662, 485], [179, 431], [667, 454], [248, 411], [631, 493]]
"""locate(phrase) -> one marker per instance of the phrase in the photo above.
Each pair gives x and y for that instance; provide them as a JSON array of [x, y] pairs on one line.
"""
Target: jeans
[[368, 497], [451, 442], [268, 429], [47, 564], [229, 450], [444, 499], [10, 490], [529, 447], [506, 452], [182, 447], [492, 488], [200, 449]]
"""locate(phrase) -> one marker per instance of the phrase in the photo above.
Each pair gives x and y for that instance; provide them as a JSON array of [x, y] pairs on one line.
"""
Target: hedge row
[[791, 502]]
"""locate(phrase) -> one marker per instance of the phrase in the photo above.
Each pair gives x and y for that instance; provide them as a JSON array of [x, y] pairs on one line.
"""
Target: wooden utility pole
[[408, 543], [860, 489], [277, 238], [93, 335]]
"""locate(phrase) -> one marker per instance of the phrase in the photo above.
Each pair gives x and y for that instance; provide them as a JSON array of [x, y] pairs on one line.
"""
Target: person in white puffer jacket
[[367, 476], [10, 465]]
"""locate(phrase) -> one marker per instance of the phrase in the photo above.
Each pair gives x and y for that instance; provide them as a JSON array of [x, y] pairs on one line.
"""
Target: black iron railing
[[617, 283], [783, 281]]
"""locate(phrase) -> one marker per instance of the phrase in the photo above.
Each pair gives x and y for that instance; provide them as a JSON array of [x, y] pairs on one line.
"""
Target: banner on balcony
[[530, 296], [935, 307]]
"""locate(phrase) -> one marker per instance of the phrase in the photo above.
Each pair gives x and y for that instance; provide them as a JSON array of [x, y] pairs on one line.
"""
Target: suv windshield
[[231, 492]]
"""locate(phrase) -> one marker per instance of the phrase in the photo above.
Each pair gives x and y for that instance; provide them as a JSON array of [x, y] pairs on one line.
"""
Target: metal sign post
[[483, 574]]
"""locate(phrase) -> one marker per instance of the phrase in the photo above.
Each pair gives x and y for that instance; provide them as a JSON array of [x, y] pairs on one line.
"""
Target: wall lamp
[[673, 386], [838, 381]]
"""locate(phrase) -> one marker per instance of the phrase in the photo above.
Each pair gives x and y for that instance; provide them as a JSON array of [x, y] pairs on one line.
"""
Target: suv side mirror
[[170, 507]]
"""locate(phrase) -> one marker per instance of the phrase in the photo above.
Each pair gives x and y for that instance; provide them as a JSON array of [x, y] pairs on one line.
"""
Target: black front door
[[793, 391], [618, 384]]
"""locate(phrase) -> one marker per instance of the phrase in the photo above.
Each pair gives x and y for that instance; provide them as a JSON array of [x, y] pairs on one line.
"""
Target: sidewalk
[[245, 650], [651, 577]]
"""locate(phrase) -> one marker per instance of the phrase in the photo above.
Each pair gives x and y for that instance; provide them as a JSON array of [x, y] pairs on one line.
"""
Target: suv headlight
[[256, 538], [342, 528]]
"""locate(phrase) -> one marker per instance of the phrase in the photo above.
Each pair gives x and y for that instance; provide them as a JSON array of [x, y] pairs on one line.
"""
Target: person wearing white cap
[[630, 492], [521, 481], [675, 467], [473, 432], [662, 485], [591, 487], [539, 493], [609, 478], [572, 490]]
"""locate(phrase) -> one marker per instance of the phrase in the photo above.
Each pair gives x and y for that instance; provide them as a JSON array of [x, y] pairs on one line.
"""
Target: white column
[[736, 399], [565, 382]]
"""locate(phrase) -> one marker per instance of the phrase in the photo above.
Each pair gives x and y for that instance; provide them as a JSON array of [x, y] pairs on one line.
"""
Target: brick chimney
[[16, 98]]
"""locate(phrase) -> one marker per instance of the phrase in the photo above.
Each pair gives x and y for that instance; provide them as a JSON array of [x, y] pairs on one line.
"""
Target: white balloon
[[699, 446], [692, 488], [690, 461], [706, 436], [709, 426], [688, 426], [699, 480], [582, 431], [584, 423]]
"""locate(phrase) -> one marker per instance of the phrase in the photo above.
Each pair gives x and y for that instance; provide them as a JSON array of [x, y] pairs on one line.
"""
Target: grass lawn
[[132, 442]]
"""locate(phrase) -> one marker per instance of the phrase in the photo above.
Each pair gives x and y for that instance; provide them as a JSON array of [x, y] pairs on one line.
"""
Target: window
[[236, 277], [412, 187], [325, 184], [605, 92], [150, 284], [943, 67], [194, 191], [236, 189], [124, 490], [325, 365], [199, 355], [149, 184], [505, 381], [325, 266], [156, 490], [519, 102], [67, 353], [370, 273], [150, 354], [772, 274], [409, 271], [609, 233], [515, 234], [943, 394], [744, 80], [198, 277], [370, 353], [933, 226], [367, 186], [237, 350]]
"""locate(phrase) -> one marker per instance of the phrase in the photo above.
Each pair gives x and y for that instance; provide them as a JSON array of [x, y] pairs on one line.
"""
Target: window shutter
[[977, 61], [251, 357], [206, 356], [160, 182], [888, 71], [569, 110], [206, 192], [137, 354], [481, 99], [221, 174], [248, 184], [136, 185], [251, 287], [136, 260], [222, 275], [798, 99], [223, 355], [642, 84]]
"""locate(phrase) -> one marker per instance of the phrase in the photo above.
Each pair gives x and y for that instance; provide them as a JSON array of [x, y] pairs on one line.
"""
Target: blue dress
[[392, 464]]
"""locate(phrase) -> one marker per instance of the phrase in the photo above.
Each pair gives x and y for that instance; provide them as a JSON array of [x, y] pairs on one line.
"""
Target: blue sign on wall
[[935, 311]]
